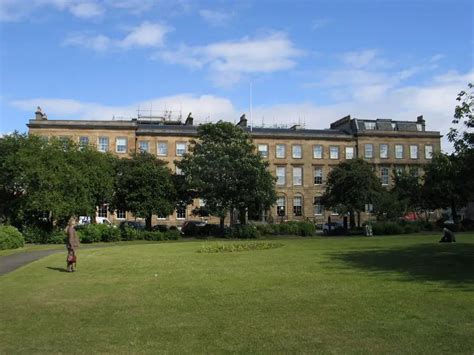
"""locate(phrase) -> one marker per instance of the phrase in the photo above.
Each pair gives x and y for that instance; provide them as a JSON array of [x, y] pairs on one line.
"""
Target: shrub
[[110, 234], [92, 233], [236, 247], [161, 227], [35, 234], [387, 228], [154, 235], [10, 238], [172, 234], [244, 231], [128, 233], [266, 229], [57, 237], [306, 229]]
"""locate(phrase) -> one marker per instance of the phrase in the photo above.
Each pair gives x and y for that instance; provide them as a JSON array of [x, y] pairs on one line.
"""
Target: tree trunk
[[221, 222], [358, 219], [454, 213], [242, 216], [148, 222], [352, 219]]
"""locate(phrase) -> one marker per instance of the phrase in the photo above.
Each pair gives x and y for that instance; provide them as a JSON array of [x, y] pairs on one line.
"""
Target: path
[[9, 263]]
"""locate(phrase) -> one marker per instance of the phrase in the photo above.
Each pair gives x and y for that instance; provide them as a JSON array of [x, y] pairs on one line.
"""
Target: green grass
[[338, 295]]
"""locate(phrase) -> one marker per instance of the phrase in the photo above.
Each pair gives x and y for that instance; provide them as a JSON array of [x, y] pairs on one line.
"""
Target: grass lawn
[[401, 294]]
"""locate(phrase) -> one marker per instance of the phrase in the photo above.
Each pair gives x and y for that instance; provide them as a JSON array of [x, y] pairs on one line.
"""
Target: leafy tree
[[445, 184], [350, 186], [224, 169], [144, 187], [44, 181], [388, 206], [463, 137]]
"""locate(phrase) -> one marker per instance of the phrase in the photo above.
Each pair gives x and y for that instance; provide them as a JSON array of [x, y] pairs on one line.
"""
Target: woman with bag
[[72, 243]]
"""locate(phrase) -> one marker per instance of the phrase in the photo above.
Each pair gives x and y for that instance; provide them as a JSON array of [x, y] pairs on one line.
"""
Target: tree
[[388, 205], [445, 184], [350, 186], [463, 137], [144, 187], [409, 190], [224, 169], [45, 182]]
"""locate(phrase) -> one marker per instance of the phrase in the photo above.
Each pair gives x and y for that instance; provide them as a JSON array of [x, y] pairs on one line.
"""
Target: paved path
[[8, 263]]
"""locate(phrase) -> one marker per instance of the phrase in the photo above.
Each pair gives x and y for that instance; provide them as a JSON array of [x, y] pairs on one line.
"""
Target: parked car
[[132, 225], [193, 228], [159, 228], [333, 228]]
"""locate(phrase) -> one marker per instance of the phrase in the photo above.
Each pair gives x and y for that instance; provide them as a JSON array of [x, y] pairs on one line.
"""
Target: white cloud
[[216, 18], [86, 10], [16, 10], [320, 23], [145, 35], [364, 58], [231, 59]]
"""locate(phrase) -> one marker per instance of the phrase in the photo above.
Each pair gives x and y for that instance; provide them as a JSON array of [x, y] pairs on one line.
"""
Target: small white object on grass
[[156, 275]]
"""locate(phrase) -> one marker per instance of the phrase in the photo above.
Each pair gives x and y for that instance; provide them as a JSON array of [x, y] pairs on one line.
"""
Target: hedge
[[10, 238]]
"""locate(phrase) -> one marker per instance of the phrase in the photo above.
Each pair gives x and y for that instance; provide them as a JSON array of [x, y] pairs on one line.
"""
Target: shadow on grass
[[60, 269], [452, 264]]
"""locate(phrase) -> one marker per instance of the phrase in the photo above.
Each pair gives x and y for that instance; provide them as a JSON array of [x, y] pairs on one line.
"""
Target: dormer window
[[369, 125]]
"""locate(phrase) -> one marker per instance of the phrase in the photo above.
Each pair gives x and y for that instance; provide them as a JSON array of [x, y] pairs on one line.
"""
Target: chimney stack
[[243, 121], [39, 115], [189, 120], [420, 120]]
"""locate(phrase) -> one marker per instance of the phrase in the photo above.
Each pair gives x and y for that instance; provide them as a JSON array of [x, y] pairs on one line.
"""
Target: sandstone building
[[300, 158]]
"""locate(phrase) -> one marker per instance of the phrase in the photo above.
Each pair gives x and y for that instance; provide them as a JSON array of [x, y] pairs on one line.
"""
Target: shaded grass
[[341, 295]]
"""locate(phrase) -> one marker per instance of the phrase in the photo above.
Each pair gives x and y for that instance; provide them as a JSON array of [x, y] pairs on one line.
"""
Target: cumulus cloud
[[146, 34], [86, 10], [231, 59]]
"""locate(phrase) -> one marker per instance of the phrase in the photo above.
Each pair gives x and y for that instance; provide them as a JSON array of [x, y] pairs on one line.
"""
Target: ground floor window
[[181, 211], [298, 206], [318, 206], [121, 214], [102, 211], [281, 211]]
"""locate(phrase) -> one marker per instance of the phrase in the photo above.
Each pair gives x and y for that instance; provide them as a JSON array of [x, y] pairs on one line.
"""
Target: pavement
[[9, 263]]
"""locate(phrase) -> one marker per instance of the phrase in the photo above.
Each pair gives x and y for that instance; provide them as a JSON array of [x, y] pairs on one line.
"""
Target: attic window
[[419, 127], [369, 125], [394, 126]]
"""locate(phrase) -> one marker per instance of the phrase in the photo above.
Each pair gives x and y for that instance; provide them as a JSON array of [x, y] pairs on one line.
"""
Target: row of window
[[350, 152], [121, 146], [298, 206], [297, 174]]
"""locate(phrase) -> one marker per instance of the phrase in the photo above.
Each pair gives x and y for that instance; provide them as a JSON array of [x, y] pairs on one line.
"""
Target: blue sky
[[307, 61]]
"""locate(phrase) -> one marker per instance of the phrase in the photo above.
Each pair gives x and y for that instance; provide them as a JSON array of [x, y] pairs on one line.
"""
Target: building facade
[[300, 159]]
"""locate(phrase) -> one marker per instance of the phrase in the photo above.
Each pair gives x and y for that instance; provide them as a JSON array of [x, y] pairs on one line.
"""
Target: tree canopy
[[144, 187], [350, 186], [224, 169]]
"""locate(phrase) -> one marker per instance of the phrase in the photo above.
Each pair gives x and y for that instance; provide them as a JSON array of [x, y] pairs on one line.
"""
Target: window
[[333, 152], [263, 150], [297, 176], [281, 175], [121, 145], [318, 207], [369, 208], [162, 149], [369, 151], [83, 141], [161, 217], [121, 214], [398, 151], [178, 171], [419, 127], [180, 149], [428, 151], [399, 170], [414, 171], [281, 209], [103, 145], [202, 202], [297, 151], [384, 175], [369, 125], [318, 176], [298, 206], [143, 146], [280, 151], [349, 152], [181, 211], [318, 152], [413, 152], [102, 211], [384, 151]]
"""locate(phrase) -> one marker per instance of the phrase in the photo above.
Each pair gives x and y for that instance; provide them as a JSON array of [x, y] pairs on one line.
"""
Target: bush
[[387, 228], [110, 234], [10, 238], [243, 231], [35, 235], [154, 235], [172, 234], [57, 237], [236, 247], [306, 229], [129, 234]]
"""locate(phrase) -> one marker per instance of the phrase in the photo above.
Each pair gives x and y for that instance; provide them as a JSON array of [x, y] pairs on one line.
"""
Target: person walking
[[72, 243]]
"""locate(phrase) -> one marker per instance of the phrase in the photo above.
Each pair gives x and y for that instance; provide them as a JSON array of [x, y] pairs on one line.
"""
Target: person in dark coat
[[72, 243]]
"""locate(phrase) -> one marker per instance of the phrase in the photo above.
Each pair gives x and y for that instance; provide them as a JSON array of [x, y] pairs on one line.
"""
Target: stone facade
[[301, 158]]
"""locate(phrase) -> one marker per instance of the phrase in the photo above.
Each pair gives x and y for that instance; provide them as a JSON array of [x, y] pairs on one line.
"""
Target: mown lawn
[[402, 294]]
